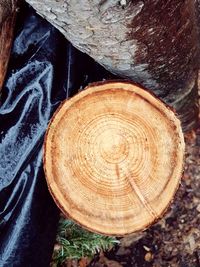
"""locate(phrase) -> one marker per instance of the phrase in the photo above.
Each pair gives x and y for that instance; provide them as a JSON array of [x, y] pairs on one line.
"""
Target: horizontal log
[[151, 42]]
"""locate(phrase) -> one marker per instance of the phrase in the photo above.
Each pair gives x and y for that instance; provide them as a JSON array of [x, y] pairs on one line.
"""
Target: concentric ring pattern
[[113, 158]]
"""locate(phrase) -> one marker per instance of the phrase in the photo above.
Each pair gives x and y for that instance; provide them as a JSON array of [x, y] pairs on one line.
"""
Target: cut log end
[[113, 158]]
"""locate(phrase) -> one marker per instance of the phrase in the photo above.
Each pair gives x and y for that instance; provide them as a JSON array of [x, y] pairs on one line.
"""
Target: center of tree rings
[[113, 146]]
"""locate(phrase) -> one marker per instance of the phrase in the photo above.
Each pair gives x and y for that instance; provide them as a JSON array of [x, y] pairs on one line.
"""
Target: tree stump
[[154, 43], [8, 9], [113, 158]]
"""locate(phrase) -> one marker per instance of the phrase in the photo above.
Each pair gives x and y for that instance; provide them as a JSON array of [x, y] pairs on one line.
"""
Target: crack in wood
[[142, 199]]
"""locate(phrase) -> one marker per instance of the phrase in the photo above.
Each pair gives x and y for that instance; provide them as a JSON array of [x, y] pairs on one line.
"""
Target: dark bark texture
[[153, 42], [8, 9]]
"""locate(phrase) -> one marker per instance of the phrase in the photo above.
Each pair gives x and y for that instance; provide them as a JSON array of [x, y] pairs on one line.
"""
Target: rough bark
[[115, 166], [153, 42], [8, 9]]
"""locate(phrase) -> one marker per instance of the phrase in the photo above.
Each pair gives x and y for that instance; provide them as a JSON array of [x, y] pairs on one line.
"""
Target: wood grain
[[113, 158]]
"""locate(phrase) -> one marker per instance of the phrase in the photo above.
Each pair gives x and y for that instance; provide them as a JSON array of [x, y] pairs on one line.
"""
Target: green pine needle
[[76, 243]]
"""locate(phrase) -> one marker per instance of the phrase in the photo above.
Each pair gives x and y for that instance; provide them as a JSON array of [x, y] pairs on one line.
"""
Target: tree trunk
[[8, 9], [153, 42], [115, 166]]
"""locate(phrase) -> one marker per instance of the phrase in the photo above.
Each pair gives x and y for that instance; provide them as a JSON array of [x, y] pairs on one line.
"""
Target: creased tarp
[[44, 70]]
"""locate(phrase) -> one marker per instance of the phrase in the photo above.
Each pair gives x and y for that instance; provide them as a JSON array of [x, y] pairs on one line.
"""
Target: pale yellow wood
[[113, 158]]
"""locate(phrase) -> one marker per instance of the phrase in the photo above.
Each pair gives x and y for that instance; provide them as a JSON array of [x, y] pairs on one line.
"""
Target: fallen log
[[113, 158], [8, 10], [152, 42]]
